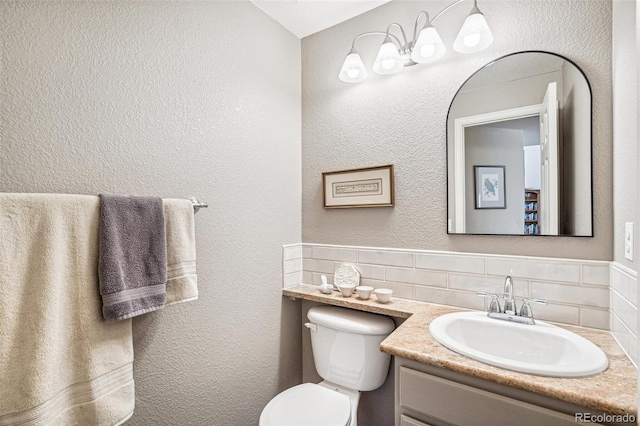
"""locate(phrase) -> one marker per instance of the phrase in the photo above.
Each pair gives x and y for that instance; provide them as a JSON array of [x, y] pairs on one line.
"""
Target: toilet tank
[[346, 346]]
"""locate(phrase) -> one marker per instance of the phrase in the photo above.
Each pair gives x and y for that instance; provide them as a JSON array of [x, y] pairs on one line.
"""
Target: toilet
[[346, 353]]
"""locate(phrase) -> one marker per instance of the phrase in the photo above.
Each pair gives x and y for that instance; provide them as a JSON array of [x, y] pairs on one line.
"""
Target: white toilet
[[346, 352]]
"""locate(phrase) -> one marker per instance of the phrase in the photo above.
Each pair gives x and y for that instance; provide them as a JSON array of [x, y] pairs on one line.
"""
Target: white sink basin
[[541, 349]]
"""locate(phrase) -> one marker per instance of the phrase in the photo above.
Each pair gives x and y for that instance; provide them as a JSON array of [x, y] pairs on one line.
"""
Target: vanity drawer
[[459, 404]]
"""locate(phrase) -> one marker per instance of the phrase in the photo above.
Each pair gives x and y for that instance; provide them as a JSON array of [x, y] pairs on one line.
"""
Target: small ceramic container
[[325, 287], [346, 289], [364, 291], [383, 294]]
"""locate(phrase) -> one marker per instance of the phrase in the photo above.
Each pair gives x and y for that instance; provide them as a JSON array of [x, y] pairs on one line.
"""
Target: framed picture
[[366, 187], [490, 190]]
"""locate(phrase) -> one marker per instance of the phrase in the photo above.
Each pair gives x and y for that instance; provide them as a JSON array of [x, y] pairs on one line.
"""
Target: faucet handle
[[494, 305], [525, 310]]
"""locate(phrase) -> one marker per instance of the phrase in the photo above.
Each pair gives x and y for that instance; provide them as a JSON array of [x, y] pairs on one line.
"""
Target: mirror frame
[[590, 146]]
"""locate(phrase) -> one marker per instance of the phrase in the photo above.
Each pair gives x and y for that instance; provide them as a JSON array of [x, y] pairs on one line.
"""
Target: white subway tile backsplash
[[416, 276], [487, 284], [316, 278], [292, 252], [594, 318], [620, 332], [595, 275], [292, 266], [315, 265], [633, 349], [335, 254], [541, 270], [624, 310], [620, 282], [374, 272], [294, 278], [589, 296], [381, 257], [449, 297], [558, 313], [444, 262], [403, 291], [373, 283], [633, 291], [592, 294]]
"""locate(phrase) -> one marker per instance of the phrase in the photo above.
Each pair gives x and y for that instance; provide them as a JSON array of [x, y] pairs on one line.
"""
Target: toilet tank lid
[[350, 320]]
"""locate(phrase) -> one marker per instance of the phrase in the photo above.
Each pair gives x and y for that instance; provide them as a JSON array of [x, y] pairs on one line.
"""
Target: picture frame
[[363, 187], [490, 187]]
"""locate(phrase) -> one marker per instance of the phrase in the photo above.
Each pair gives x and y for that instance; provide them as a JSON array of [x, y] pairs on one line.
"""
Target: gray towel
[[133, 256]]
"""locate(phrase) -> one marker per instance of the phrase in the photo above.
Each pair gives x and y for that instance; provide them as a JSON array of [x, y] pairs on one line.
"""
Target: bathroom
[[218, 100]]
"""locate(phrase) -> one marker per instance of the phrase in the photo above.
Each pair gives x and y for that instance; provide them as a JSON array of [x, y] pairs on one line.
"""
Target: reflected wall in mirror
[[529, 113]]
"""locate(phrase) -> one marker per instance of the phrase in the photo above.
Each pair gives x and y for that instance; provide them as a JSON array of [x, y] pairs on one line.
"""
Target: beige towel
[[182, 281], [60, 362]]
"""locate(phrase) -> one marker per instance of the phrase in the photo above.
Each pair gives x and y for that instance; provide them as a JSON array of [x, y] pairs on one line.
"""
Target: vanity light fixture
[[427, 47]]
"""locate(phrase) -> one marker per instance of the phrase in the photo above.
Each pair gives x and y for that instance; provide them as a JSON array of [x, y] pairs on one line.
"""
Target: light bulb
[[353, 70], [428, 47], [388, 60], [388, 63], [474, 35], [472, 40], [427, 50]]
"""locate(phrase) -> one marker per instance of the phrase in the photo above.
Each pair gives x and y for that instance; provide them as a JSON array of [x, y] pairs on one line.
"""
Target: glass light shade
[[353, 70], [474, 35], [388, 60], [428, 46]]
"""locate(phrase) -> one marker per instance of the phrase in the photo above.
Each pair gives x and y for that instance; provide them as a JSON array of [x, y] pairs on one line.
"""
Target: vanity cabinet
[[430, 396]]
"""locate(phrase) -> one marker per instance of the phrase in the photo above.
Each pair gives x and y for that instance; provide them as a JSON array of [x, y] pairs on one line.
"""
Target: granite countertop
[[613, 391]]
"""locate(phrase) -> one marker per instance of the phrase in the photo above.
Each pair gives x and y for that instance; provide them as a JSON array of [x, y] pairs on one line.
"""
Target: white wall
[[624, 283], [174, 99], [576, 192], [625, 126], [401, 119], [625, 317]]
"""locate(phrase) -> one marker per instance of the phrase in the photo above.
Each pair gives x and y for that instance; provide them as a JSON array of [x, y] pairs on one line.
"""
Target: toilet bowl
[[308, 404], [346, 353]]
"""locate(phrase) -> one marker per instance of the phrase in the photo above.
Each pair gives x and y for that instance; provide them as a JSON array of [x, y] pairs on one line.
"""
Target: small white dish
[[364, 291], [383, 294], [346, 289]]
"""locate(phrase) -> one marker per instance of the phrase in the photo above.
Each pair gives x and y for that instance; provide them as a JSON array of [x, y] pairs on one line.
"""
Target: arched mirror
[[519, 149]]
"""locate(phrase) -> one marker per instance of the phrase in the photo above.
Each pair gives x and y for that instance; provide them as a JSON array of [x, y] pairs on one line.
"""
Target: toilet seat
[[307, 404]]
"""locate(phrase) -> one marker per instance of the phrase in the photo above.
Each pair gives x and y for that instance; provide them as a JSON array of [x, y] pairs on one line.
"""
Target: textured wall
[[401, 119], [625, 127], [174, 99]]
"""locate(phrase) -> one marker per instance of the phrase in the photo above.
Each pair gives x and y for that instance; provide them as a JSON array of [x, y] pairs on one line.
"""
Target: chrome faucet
[[509, 302], [509, 312]]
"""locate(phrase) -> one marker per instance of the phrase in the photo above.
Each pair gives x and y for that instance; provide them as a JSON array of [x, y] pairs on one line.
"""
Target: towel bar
[[197, 204]]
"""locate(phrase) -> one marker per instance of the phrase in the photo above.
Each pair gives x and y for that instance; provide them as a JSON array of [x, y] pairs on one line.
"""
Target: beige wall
[[401, 119], [174, 99]]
